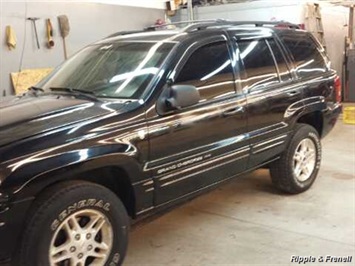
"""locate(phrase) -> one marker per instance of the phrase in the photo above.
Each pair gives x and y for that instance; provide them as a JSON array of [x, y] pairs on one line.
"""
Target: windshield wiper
[[34, 90], [89, 95]]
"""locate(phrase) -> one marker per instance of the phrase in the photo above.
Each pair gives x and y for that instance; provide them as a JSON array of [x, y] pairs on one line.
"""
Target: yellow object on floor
[[10, 38], [27, 78], [349, 115]]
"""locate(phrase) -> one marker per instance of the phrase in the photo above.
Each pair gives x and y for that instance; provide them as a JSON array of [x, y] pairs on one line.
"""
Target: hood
[[22, 117]]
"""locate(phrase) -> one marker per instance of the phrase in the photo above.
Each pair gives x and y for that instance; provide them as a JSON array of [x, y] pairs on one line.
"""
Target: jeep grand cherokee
[[140, 121]]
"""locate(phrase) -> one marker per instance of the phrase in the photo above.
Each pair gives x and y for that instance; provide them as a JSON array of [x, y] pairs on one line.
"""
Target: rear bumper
[[12, 216], [330, 117]]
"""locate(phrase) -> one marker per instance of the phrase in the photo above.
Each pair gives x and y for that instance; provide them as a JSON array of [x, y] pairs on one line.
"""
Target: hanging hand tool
[[35, 28], [50, 42], [10, 38], [64, 31]]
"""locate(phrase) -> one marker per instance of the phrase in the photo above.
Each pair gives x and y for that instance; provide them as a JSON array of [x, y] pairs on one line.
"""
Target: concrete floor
[[247, 221]]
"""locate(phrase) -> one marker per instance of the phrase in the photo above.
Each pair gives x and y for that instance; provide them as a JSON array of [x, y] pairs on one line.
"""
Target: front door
[[200, 145]]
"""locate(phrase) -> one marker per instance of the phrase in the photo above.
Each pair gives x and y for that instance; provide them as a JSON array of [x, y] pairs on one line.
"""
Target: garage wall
[[141, 3], [334, 18], [291, 11], [88, 22], [334, 21]]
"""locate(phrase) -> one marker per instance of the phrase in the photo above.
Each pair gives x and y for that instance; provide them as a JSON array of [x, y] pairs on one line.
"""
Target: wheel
[[298, 166], [75, 223]]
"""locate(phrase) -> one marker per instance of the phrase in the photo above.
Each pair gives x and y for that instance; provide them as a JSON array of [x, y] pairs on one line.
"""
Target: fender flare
[[60, 168], [306, 106]]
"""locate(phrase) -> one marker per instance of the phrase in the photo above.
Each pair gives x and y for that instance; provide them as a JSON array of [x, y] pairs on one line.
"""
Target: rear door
[[201, 145], [269, 88]]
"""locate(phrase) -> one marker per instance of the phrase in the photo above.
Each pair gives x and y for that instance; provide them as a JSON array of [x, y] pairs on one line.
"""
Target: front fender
[[28, 176]]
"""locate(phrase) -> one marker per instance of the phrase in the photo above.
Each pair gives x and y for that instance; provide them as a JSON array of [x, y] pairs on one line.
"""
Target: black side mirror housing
[[182, 96]]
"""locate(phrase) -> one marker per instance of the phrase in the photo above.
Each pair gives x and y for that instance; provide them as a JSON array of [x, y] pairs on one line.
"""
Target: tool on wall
[[49, 27], [10, 38], [64, 31], [33, 19]]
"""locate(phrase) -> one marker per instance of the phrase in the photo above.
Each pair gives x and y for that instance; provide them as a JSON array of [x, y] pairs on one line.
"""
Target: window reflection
[[306, 53], [284, 71], [209, 68], [259, 66], [122, 69]]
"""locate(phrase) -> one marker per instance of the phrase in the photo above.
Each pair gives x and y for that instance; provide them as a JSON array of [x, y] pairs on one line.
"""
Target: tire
[[292, 173], [80, 218]]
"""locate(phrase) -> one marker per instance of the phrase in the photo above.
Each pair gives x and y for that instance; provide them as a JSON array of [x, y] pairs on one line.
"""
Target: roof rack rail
[[203, 24], [194, 25], [281, 24], [166, 25]]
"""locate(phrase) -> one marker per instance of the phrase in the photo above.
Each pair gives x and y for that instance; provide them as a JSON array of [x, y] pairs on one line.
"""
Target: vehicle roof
[[179, 35]]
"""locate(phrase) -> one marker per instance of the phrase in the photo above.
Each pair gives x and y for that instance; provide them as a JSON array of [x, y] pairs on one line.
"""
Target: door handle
[[233, 111], [293, 93]]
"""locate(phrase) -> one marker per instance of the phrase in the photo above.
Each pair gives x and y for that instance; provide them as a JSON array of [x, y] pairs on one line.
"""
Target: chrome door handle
[[233, 111], [293, 93]]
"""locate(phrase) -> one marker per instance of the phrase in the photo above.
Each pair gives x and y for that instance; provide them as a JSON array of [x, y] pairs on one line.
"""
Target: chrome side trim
[[230, 141], [267, 130], [205, 187], [219, 158], [149, 189], [269, 147], [142, 181], [268, 141], [226, 143], [145, 210], [211, 185], [148, 183], [201, 171]]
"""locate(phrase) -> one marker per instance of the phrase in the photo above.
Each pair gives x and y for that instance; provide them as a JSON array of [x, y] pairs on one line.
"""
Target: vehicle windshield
[[117, 70]]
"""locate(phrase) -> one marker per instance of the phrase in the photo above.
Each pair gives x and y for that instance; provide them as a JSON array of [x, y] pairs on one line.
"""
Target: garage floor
[[247, 221]]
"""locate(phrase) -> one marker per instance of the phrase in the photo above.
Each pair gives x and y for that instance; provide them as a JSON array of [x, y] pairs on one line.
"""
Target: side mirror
[[182, 96]]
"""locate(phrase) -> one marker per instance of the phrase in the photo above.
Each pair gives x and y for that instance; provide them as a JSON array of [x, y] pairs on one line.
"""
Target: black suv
[[142, 120]]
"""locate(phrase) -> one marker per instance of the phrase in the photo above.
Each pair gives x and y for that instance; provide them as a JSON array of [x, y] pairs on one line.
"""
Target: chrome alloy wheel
[[83, 238], [304, 160]]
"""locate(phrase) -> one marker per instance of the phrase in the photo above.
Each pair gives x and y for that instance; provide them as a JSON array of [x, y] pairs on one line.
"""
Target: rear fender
[[305, 106]]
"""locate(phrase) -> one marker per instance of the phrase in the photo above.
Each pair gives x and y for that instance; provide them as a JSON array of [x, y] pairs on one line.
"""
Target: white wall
[[291, 11], [138, 3], [160, 4]]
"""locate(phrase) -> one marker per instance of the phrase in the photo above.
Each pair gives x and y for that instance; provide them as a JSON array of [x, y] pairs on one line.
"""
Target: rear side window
[[308, 59], [284, 71], [259, 65], [209, 69]]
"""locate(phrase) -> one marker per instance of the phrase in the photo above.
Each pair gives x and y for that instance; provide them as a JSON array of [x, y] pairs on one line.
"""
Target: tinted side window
[[209, 69], [284, 71], [258, 63], [308, 59]]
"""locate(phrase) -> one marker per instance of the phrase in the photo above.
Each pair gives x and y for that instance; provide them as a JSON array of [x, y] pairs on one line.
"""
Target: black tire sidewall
[[304, 132], [87, 197]]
